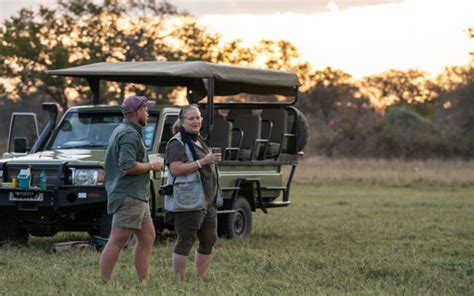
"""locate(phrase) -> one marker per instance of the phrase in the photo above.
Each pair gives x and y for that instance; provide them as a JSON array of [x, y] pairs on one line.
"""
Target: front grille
[[51, 174]]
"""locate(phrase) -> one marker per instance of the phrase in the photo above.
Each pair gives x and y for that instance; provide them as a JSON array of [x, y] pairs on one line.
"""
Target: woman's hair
[[184, 110]]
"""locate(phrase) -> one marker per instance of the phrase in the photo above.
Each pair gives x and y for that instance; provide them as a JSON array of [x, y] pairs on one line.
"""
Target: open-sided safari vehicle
[[258, 139]]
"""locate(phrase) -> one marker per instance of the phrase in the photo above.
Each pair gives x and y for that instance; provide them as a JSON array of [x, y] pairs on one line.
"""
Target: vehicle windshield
[[93, 130]]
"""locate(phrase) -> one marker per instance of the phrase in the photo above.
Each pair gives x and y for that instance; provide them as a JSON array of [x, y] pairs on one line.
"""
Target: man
[[127, 183]]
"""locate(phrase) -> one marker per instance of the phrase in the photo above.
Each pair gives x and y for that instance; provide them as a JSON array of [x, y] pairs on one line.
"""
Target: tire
[[302, 130], [238, 224], [12, 234], [100, 233], [105, 225]]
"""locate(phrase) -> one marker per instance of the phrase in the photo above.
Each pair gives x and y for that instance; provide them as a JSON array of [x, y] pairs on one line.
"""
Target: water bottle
[[30, 178], [43, 180]]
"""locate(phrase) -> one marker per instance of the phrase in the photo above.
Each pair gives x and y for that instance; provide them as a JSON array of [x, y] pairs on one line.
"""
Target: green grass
[[343, 238]]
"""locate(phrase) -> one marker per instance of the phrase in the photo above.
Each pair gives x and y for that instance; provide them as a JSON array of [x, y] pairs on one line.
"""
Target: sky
[[360, 37]]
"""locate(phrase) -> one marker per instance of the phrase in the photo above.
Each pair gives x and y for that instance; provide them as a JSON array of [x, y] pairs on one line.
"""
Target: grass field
[[339, 236], [394, 172]]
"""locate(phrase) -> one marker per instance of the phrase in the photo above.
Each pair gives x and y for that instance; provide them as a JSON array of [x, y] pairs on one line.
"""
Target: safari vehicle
[[258, 139]]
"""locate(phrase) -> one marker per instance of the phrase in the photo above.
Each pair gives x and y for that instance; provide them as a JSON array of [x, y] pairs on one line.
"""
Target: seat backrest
[[251, 125], [221, 133], [279, 118], [234, 113], [218, 117]]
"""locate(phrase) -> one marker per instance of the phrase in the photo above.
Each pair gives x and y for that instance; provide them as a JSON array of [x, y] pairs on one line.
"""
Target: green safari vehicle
[[247, 112]]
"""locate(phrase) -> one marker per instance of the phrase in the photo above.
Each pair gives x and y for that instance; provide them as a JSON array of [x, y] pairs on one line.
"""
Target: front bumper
[[67, 209]]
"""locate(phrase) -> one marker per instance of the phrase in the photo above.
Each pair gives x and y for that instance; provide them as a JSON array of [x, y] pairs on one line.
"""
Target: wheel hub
[[239, 222]]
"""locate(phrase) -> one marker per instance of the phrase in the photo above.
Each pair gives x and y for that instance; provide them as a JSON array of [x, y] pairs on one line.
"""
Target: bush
[[405, 133]]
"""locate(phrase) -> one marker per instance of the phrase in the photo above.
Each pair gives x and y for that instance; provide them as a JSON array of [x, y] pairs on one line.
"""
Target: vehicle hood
[[71, 156]]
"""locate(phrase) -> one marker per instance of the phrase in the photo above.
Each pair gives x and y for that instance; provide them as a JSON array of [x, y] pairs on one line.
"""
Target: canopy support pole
[[210, 106], [94, 84]]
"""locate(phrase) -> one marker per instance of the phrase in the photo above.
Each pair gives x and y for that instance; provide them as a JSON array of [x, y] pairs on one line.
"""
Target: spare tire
[[301, 129]]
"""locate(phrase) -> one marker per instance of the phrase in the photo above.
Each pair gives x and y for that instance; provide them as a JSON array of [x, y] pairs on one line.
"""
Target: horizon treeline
[[408, 114]]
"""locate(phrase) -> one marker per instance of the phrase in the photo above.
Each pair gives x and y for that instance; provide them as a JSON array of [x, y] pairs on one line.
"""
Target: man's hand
[[143, 167], [157, 165]]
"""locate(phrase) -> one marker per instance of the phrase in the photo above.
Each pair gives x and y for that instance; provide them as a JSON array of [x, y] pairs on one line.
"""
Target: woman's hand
[[211, 158]]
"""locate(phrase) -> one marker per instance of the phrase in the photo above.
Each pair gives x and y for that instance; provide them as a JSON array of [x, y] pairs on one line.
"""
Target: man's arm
[[143, 167], [127, 159]]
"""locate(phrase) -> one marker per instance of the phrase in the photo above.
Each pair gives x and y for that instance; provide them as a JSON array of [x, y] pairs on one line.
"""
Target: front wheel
[[100, 233], [105, 225], [237, 224], [11, 233]]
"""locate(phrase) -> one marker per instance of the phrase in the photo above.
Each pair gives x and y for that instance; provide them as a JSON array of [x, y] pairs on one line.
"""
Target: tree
[[341, 118], [328, 88], [471, 35], [398, 87], [455, 108], [282, 55], [79, 32], [403, 132]]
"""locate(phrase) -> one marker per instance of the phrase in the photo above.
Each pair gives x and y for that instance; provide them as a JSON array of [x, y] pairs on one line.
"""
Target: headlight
[[88, 177]]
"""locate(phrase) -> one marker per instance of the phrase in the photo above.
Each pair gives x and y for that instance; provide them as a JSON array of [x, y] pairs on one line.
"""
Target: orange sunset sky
[[359, 37]]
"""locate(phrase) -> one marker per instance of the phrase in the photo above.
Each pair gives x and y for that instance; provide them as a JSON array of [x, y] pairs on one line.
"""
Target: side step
[[222, 212], [277, 204], [274, 188]]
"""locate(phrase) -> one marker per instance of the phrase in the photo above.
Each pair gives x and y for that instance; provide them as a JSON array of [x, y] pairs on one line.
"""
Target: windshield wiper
[[82, 146]]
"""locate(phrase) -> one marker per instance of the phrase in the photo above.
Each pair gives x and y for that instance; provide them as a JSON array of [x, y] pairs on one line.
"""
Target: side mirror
[[19, 145], [50, 107]]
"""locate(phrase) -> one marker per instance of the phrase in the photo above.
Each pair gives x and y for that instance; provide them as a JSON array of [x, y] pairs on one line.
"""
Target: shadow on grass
[[46, 244]]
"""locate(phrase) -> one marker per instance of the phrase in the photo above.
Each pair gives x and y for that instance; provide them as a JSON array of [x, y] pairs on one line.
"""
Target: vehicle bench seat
[[251, 126], [279, 119]]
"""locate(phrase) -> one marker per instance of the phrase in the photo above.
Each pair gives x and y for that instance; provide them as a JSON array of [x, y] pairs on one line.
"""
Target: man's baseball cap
[[133, 103]]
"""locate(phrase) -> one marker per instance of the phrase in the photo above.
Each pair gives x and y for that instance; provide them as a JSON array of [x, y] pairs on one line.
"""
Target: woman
[[200, 223]]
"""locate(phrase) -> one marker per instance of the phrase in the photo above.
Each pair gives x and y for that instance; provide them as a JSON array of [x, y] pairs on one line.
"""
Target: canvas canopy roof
[[228, 80]]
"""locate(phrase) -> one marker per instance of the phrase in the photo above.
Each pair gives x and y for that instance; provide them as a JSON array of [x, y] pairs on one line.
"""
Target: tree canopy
[[396, 113], [79, 32]]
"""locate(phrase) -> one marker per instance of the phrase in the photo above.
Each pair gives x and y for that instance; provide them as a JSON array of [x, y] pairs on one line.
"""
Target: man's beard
[[142, 120]]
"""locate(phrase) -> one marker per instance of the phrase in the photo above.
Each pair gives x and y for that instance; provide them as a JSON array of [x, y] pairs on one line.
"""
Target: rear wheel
[[238, 224]]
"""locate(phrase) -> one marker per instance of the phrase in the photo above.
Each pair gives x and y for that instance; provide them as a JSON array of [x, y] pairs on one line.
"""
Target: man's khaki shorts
[[133, 213]]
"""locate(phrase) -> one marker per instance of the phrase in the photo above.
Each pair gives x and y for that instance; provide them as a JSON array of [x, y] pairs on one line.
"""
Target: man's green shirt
[[125, 149]]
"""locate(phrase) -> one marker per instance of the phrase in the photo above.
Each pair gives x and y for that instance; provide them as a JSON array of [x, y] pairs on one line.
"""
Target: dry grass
[[334, 239], [384, 171]]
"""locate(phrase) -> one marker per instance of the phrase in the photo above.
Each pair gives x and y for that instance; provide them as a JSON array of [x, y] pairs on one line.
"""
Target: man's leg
[[142, 252], [117, 239]]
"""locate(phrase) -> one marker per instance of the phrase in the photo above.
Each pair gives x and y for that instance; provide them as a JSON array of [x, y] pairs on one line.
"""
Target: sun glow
[[423, 34]]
